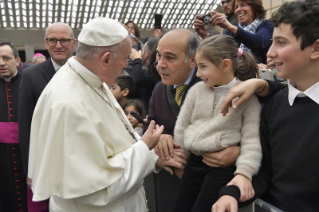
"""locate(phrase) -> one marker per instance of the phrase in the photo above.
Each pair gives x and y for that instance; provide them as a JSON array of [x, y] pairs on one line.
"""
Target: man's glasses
[[63, 41], [224, 2]]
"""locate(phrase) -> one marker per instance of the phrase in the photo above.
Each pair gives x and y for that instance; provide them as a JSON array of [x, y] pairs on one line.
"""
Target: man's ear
[[147, 54], [18, 61], [75, 43], [192, 61], [105, 60], [125, 92], [315, 51], [226, 65]]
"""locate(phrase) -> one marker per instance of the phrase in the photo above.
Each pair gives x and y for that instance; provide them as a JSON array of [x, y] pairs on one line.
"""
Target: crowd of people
[[188, 108]]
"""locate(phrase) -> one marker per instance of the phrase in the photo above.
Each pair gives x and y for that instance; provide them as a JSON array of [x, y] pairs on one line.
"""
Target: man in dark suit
[[177, 66], [59, 41]]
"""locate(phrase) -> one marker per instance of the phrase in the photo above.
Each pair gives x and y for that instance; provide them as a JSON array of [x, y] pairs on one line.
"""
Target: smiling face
[[131, 28], [8, 63], [244, 12], [227, 7], [60, 53], [285, 52], [131, 118], [171, 58], [209, 72]]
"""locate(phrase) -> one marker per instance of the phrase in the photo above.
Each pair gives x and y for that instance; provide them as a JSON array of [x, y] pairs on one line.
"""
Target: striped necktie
[[178, 94]]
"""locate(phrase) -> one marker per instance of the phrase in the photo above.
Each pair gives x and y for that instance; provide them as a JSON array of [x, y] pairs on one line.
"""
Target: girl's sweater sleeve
[[250, 156]]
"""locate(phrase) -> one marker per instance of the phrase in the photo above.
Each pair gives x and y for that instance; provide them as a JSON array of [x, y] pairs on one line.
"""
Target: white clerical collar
[[8, 79], [312, 92], [188, 79], [55, 65], [83, 68]]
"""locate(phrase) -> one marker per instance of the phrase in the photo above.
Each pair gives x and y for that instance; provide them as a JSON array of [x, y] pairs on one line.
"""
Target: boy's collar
[[312, 92]]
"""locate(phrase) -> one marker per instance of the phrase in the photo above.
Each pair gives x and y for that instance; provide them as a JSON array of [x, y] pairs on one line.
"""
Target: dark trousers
[[200, 185]]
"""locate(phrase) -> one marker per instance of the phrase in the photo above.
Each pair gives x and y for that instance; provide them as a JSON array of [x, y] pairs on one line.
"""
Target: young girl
[[134, 105], [201, 127]]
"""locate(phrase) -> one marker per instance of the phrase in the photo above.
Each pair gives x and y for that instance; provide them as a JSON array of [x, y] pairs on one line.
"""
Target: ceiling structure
[[38, 14]]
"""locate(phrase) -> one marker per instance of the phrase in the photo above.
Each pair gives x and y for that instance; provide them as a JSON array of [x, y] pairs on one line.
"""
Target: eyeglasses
[[224, 2], [155, 64], [63, 41]]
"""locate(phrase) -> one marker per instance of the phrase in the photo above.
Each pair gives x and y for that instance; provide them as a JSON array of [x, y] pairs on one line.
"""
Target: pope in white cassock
[[84, 154]]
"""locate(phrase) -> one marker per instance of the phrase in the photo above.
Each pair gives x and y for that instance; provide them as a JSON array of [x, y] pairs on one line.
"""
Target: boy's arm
[[262, 180], [264, 89]]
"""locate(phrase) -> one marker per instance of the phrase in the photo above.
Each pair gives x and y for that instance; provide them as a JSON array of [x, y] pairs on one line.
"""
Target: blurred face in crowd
[[227, 7], [39, 60], [59, 52], [131, 118], [171, 55], [116, 91], [8, 63], [131, 28], [244, 12]]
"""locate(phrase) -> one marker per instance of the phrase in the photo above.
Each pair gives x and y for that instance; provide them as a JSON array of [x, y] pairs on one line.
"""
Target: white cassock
[[81, 154]]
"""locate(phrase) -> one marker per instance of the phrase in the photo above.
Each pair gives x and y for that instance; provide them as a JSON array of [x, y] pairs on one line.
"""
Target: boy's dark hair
[[4, 42], [220, 47], [139, 106], [126, 81], [303, 16]]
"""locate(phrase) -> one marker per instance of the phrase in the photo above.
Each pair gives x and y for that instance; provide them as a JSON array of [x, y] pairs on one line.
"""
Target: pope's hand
[[152, 135]]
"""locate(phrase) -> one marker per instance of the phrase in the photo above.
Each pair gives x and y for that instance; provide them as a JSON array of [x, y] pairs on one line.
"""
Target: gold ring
[[219, 18]]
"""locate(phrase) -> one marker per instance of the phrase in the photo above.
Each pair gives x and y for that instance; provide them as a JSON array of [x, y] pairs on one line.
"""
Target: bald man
[[59, 41], [177, 66]]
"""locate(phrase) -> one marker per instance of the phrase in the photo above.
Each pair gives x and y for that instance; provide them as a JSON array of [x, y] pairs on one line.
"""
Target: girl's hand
[[135, 54], [244, 184]]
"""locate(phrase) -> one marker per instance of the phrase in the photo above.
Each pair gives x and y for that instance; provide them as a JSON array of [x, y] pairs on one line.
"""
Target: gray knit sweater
[[200, 127]]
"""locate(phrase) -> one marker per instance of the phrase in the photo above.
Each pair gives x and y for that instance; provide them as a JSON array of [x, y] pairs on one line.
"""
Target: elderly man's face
[[8, 63], [60, 53], [118, 62], [171, 52], [227, 7]]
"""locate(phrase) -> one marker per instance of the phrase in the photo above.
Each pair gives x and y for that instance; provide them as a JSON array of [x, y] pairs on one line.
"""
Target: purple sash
[[9, 132]]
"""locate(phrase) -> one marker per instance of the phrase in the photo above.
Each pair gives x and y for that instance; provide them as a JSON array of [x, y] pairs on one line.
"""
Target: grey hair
[[40, 56], [88, 53], [192, 44]]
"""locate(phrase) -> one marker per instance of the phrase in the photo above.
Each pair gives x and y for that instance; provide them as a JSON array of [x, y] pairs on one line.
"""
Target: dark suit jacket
[[164, 110], [34, 80]]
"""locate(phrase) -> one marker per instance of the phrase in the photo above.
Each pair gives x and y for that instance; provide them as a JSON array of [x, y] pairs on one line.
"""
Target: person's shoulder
[[265, 24], [159, 87], [38, 67], [278, 100]]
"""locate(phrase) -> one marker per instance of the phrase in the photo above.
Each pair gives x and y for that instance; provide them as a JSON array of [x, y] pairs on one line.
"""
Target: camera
[[271, 74], [206, 18]]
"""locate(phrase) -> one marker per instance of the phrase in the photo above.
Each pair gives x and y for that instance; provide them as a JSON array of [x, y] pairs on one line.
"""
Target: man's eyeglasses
[[224, 2], [63, 41]]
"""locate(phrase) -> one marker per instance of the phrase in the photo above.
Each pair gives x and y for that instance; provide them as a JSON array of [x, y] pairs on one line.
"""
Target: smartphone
[[158, 21], [138, 117]]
